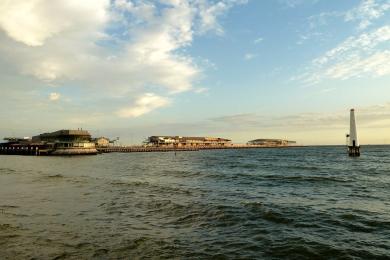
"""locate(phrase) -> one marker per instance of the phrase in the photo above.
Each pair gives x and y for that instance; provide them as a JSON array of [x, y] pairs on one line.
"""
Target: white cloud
[[357, 56], [201, 90], [363, 42], [54, 96], [249, 56], [364, 14], [124, 5], [35, 21], [144, 105], [111, 49], [209, 13], [296, 3], [367, 11], [322, 18], [291, 3], [258, 40], [377, 64]]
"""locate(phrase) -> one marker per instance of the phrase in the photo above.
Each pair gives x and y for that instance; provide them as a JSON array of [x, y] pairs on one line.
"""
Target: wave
[[307, 178]]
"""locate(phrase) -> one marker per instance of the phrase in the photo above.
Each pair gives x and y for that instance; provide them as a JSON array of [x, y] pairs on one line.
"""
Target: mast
[[353, 144]]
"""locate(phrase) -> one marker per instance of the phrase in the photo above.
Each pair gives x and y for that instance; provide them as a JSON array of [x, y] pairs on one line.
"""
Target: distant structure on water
[[102, 141], [80, 142], [184, 141], [352, 139], [67, 142], [271, 142], [62, 142]]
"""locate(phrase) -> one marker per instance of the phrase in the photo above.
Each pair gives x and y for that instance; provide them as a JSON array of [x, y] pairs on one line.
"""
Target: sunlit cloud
[[34, 22], [54, 96], [144, 105], [117, 49]]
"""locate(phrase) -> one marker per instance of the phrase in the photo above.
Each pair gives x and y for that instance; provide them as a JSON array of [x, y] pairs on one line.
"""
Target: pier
[[80, 142], [140, 149], [39, 150]]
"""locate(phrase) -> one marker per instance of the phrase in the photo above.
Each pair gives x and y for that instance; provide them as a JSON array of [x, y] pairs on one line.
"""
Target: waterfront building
[[62, 142], [102, 141], [185, 141], [271, 142], [67, 142]]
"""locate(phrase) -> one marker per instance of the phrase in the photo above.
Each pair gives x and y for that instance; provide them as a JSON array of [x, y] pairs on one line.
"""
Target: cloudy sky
[[240, 69]]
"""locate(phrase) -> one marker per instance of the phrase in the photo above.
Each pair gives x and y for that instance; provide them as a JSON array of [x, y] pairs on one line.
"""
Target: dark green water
[[298, 203]]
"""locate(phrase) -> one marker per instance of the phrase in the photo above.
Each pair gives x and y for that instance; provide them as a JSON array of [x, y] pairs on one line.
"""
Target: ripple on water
[[7, 171]]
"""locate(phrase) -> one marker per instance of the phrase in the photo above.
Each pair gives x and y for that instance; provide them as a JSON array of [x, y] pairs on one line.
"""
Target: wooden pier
[[141, 149]]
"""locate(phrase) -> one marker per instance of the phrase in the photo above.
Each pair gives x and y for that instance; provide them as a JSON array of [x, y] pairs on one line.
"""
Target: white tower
[[353, 144]]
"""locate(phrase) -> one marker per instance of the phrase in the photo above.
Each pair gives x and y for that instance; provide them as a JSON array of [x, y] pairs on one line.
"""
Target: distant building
[[62, 142], [67, 142], [102, 142], [271, 142], [183, 141]]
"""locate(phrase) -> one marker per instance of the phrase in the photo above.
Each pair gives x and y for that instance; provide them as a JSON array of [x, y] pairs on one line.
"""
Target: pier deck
[[135, 149]]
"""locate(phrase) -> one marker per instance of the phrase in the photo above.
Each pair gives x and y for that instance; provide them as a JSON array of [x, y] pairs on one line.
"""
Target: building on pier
[[62, 142], [67, 142], [185, 141], [102, 142]]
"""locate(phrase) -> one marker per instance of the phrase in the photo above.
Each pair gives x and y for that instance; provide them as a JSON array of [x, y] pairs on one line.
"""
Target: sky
[[238, 69]]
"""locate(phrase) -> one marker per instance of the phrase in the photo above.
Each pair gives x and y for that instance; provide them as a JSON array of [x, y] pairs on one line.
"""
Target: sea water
[[297, 203]]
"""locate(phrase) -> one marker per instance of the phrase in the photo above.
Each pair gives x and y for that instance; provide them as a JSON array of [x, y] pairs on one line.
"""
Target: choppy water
[[234, 204]]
